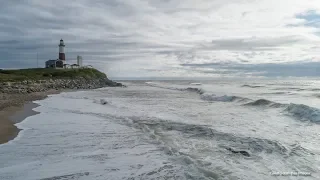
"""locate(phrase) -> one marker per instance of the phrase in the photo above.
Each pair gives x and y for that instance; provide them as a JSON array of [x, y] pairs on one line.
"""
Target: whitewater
[[217, 129]]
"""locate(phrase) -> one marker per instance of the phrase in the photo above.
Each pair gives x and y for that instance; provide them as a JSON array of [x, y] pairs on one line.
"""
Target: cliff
[[40, 80]]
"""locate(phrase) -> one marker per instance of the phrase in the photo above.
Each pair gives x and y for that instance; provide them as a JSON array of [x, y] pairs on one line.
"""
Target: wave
[[299, 111], [242, 145], [265, 102], [201, 92], [228, 141], [304, 112], [225, 98], [173, 139], [252, 86], [276, 93], [291, 88], [152, 84], [190, 89], [197, 90]]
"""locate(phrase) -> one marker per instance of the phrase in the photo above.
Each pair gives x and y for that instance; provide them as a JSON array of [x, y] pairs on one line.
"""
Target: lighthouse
[[62, 56]]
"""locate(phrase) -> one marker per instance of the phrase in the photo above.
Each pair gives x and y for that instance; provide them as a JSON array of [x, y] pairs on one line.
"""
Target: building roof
[[51, 60]]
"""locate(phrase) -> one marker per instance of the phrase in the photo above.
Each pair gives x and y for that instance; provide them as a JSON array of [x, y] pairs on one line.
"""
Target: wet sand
[[14, 108], [24, 112]]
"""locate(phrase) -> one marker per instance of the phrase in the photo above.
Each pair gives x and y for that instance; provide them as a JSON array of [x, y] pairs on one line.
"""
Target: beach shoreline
[[14, 108]]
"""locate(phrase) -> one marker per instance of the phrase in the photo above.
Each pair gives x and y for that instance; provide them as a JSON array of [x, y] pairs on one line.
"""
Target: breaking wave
[[190, 89], [264, 102], [197, 90], [225, 98], [304, 112], [299, 111]]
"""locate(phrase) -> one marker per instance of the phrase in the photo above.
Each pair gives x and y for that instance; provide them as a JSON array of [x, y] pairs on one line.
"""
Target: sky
[[166, 38]]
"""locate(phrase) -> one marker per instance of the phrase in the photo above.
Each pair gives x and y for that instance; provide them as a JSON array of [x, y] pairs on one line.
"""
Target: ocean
[[212, 129]]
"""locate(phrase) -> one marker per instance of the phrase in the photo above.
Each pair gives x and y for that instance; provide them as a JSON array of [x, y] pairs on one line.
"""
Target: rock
[[29, 86], [244, 153], [103, 101]]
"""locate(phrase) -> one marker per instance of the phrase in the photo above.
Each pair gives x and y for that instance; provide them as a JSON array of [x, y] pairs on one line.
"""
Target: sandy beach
[[14, 108]]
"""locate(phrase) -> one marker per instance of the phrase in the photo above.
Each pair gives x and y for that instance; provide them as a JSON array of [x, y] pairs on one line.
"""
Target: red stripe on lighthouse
[[62, 56]]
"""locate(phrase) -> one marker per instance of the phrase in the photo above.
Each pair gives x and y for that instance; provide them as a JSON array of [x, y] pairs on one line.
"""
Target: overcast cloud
[[173, 38]]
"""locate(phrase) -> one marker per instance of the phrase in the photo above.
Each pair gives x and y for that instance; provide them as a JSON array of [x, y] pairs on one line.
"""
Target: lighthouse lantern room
[[62, 56]]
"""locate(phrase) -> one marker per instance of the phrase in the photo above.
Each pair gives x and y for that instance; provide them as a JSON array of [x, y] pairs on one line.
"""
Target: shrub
[[45, 73]]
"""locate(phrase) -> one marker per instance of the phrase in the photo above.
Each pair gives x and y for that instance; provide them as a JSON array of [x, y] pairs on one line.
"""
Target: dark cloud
[[296, 69]]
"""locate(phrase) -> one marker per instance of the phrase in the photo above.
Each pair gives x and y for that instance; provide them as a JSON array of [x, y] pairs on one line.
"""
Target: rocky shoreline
[[31, 86]]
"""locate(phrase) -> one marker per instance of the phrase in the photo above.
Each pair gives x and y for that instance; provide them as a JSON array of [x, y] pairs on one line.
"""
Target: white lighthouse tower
[[62, 56], [79, 61]]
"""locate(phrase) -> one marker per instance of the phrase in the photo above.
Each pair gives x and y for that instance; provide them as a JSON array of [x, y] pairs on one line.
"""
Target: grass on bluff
[[48, 73]]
